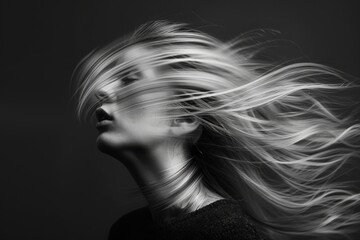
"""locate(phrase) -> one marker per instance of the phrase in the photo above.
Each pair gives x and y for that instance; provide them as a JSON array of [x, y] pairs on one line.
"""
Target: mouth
[[103, 119], [102, 115], [103, 125]]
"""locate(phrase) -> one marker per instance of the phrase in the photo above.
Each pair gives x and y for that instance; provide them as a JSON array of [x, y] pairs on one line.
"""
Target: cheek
[[142, 117], [147, 109], [150, 121], [147, 124]]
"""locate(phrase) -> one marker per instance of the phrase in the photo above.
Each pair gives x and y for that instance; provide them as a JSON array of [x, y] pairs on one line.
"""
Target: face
[[126, 127]]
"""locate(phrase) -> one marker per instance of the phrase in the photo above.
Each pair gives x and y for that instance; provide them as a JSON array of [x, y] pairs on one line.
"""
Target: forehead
[[142, 58], [138, 54]]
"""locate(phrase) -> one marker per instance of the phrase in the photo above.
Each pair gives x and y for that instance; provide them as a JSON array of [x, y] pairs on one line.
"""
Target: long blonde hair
[[272, 136]]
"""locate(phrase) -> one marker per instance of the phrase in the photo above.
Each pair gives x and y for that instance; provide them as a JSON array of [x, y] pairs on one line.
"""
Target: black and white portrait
[[180, 120]]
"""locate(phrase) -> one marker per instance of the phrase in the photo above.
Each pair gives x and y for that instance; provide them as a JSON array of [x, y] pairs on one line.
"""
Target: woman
[[222, 145]]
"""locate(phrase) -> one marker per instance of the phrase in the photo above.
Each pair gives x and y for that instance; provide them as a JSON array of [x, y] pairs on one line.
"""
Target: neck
[[170, 182]]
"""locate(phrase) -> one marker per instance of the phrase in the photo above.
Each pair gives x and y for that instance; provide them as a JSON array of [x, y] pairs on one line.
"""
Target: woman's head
[[141, 119], [156, 84]]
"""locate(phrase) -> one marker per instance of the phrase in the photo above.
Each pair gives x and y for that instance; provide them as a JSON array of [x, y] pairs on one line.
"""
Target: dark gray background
[[54, 183]]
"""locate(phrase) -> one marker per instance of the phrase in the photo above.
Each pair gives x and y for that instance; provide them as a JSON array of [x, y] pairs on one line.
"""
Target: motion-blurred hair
[[273, 135]]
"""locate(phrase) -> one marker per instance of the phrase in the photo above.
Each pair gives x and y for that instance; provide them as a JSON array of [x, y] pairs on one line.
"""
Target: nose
[[101, 95], [106, 93]]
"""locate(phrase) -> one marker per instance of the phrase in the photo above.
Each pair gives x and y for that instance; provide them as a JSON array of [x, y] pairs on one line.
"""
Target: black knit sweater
[[223, 219]]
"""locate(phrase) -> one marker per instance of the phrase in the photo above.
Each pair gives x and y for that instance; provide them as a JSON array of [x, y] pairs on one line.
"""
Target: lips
[[101, 115]]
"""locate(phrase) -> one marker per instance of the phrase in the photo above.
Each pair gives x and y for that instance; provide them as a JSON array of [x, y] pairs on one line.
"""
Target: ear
[[185, 127]]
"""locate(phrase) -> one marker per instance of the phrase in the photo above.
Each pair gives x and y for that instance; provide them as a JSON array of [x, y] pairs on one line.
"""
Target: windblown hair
[[273, 135]]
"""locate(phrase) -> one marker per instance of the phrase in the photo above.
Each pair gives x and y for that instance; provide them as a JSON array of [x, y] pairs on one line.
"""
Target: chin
[[102, 146], [105, 145], [120, 151], [111, 144]]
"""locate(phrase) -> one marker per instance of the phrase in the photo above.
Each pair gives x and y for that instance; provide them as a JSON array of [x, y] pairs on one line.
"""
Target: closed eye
[[129, 79]]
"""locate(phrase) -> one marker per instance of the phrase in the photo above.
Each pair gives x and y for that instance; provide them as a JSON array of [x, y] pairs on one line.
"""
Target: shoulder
[[224, 219], [228, 220], [136, 224]]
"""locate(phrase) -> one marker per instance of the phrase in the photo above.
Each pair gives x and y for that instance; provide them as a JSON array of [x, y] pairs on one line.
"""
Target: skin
[[145, 143]]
